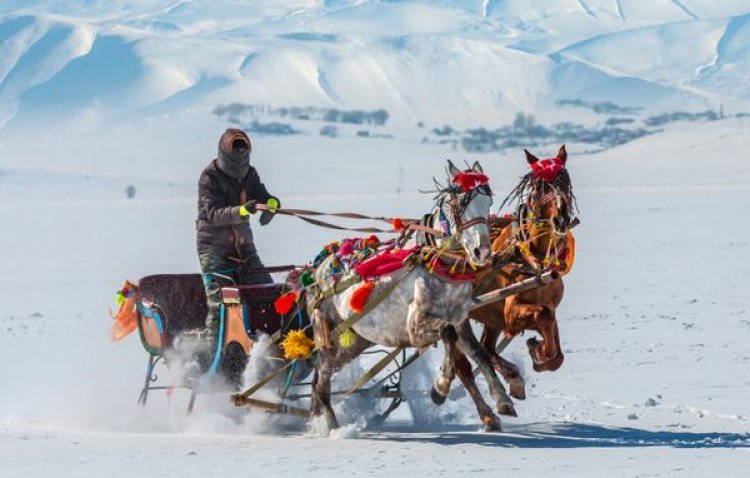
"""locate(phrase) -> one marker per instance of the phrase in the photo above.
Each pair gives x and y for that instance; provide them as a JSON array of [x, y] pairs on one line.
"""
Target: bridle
[[535, 193], [532, 195], [456, 209]]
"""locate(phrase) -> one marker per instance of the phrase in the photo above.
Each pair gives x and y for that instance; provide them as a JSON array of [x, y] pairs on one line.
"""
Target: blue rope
[[246, 319], [219, 341], [157, 318], [290, 375], [444, 219]]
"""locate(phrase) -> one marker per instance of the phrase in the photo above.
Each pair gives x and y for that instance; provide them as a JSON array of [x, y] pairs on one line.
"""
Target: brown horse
[[536, 239]]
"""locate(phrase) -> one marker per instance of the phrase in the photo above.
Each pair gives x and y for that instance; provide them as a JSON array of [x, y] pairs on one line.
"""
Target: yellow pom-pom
[[347, 338], [273, 204], [297, 345]]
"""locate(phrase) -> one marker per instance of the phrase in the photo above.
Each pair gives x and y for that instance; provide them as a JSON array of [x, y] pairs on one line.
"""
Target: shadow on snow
[[564, 435]]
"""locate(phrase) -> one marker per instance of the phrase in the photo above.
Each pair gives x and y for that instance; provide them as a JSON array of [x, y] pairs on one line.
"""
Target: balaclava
[[234, 153]]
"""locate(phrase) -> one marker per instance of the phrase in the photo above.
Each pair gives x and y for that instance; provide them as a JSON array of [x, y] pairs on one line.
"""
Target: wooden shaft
[[517, 288], [273, 407]]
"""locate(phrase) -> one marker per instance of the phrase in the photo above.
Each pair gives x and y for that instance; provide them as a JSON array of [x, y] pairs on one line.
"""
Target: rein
[[405, 224]]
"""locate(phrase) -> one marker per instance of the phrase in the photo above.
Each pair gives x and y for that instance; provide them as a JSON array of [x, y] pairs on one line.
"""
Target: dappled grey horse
[[415, 308]]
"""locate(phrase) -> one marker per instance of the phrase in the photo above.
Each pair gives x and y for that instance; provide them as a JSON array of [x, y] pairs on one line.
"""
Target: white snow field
[[97, 95]]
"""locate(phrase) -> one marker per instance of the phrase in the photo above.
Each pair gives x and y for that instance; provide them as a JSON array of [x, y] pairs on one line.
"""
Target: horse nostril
[[477, 253]]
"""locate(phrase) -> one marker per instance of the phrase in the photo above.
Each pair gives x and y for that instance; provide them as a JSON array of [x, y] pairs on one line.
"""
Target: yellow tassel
[[297, 345], [347, 338]]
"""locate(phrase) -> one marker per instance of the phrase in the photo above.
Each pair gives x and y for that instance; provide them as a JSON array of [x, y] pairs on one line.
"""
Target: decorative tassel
[[125, 318], [347, 248], [347, 338], [285, 303], [359, 298], [297, 345], [398, 224]]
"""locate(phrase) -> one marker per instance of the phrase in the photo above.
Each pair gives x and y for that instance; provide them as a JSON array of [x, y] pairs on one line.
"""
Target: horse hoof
[[517, 389], [437, 398], [492, 424], [506, 409]]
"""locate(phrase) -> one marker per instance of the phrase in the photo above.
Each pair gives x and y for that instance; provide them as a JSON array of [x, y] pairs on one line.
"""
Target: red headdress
[[468, 181], [549, 168]]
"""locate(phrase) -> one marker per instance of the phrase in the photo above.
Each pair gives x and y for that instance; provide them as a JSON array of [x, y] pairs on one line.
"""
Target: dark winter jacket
[[221, 229]]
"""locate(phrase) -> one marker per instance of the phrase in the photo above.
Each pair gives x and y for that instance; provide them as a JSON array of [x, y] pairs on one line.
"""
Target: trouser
[[220, 271]]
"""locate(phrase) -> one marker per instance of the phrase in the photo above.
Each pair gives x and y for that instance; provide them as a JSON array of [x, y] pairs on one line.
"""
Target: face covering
[[234, 153]]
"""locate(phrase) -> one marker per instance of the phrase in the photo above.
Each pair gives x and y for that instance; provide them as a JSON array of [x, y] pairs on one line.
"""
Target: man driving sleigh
[[229, 190]]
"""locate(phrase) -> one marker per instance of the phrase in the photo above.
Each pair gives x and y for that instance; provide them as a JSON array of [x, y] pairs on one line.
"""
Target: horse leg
[[320, 399], [442, 384], [509, 371], [547, 354], [469, 345], [321, 389], [466, 375]]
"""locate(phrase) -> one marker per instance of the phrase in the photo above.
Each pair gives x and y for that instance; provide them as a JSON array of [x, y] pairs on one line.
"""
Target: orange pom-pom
[[285, 303], [359, 298], [398, 224]]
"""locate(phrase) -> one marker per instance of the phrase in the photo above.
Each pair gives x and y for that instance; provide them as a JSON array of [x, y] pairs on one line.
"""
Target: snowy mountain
[[465, 62]]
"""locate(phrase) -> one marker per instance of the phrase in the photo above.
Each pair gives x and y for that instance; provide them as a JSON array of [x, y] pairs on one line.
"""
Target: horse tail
[[125, 320]]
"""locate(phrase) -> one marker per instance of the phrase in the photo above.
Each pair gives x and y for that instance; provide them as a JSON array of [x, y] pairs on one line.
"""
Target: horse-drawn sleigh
[[407, 293]]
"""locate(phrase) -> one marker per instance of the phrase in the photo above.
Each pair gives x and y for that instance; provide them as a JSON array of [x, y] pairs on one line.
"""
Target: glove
[[248, 208], [266, 216]]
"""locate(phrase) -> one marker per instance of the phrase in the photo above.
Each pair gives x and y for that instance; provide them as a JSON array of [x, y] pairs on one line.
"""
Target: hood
[[233, 156]]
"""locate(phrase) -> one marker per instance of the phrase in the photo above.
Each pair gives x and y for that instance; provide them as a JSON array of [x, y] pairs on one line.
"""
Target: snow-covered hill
[[465, 62]]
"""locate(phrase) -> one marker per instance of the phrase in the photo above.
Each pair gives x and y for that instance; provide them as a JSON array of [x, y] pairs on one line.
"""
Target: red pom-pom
[[347, 248], [284, 304], [398, 224], [359, 298]]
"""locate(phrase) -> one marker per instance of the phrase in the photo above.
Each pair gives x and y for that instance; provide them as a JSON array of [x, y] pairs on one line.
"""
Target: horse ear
[[562, 154], [477, 167], [530, 157], [452, 169]]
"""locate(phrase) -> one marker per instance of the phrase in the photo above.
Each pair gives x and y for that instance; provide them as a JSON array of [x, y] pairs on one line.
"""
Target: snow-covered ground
[[653, 324], [96, 96]]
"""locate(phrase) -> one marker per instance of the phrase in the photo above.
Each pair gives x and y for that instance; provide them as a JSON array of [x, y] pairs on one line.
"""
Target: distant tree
[[329, 130]]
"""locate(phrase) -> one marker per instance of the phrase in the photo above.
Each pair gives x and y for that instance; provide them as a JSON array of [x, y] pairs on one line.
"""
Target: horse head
[[463, 208], [549, 201]]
